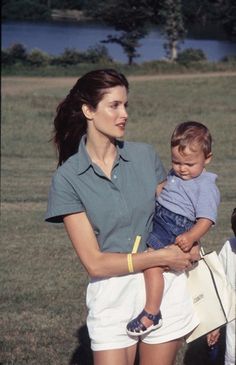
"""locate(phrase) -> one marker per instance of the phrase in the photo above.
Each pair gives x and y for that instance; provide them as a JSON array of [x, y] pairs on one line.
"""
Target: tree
[[219, 12], [196, 11], [24, 9], [173, 28], [226, 15], [129, 17]]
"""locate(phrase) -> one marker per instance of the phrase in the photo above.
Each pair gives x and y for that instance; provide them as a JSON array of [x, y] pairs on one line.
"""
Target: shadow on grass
[[83, 354]]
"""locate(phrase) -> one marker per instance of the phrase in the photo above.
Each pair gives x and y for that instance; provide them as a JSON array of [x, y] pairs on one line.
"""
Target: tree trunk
[[173, 51], [130, 62]]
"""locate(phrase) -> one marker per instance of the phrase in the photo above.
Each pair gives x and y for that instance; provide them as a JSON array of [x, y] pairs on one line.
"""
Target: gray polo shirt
[[195, 198], [118, 208]]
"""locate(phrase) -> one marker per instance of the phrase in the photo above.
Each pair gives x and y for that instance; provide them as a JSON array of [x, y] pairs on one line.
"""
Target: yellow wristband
[[130, 262]]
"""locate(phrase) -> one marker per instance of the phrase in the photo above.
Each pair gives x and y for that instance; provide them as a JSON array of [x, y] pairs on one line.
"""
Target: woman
[[104, 192]]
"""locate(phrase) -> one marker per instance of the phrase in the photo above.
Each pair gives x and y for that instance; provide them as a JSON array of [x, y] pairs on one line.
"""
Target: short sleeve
[[62, 199], [208, 202]]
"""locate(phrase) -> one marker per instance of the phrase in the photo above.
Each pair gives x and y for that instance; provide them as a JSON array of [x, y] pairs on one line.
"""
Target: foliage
[[68, 4], [24, 9], [6, 58], [37, 9], [172, 26], [146, 68], [227, 17], [69, 57], [191, 55], [17, 54], [38, 58], [129, 17], [96, 54], [229, 58], [193, 11], [209, 11]]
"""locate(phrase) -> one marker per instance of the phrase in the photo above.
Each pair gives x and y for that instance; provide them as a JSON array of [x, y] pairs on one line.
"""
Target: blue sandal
[[137, 328]]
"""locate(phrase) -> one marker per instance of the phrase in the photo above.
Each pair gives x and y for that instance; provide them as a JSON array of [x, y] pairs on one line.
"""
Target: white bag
[[213, 297]]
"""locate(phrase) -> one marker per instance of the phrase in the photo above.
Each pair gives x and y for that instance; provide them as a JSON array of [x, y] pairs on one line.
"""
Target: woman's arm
[[105, 264]]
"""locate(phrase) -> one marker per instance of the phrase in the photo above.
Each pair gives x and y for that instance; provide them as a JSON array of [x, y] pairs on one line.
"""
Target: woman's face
[[110, 116]]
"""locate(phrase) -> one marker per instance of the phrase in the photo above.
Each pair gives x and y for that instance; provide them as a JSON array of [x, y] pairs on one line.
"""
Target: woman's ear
[[87, 111]]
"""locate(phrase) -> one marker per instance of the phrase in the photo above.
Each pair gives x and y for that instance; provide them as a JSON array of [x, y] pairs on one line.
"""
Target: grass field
[[42, 282]]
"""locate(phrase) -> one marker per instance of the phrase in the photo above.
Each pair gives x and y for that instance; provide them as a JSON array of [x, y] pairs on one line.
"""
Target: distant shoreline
[[69, 15]]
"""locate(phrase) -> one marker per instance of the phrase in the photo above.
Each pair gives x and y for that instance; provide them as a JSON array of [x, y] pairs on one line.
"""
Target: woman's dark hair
[[70, 123], [193, 135]]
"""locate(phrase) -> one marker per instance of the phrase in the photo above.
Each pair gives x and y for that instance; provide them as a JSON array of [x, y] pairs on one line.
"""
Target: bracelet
[[130, 262]]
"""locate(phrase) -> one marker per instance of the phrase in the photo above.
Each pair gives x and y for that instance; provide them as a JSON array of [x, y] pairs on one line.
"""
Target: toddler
[[185, 210]]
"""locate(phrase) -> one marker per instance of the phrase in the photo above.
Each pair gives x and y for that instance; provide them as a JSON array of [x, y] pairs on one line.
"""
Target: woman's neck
[[102, 152]]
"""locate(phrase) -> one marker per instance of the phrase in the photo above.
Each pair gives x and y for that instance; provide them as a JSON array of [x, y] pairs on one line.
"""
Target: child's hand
[[184, 241]]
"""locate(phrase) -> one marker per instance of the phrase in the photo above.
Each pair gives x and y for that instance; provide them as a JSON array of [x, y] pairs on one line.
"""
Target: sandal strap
[[152, 317], [136, 325]]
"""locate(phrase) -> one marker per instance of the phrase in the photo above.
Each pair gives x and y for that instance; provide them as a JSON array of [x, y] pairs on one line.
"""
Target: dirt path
[[16, 85]]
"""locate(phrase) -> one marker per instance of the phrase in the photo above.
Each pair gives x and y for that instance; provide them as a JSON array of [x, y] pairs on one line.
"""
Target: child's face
[[188, 164]]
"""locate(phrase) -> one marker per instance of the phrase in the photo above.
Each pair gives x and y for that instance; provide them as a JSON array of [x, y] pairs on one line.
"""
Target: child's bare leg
[[154, 283], [150, 317]]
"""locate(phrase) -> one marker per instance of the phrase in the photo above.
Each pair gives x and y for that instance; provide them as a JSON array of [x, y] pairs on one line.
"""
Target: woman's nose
[[124, 112]]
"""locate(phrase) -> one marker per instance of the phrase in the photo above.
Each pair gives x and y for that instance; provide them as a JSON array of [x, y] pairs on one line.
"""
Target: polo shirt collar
[[85, 161], [122, 150]]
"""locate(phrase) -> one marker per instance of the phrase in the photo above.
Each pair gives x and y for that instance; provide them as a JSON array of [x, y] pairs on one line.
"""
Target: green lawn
[[42, 282]]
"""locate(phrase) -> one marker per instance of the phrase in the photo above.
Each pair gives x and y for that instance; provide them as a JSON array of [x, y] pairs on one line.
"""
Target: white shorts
[[113, 302]]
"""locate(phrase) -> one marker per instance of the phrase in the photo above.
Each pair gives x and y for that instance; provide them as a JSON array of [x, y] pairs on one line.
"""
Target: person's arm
[[213, 337], [105, 264], [186, 240], [160, 187]]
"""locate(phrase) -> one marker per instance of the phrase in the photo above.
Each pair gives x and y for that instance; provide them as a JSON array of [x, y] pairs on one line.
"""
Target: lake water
[[54, 37]]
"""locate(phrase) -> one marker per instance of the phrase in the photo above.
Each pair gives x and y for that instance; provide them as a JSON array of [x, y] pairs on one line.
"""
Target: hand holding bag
[[213, 297]]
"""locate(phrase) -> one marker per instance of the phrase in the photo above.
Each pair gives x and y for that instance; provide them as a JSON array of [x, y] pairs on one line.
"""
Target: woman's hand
[[195, 252], [176, 259]]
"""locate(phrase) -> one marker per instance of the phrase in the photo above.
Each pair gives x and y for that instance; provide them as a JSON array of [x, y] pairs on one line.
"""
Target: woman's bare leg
[[159, 354], [125, 356]]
